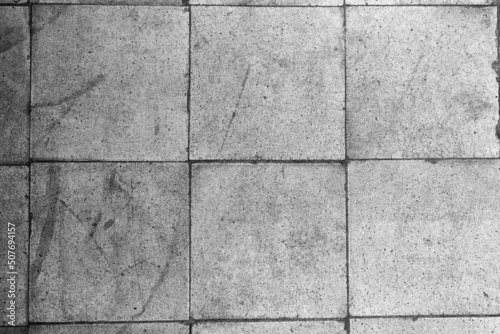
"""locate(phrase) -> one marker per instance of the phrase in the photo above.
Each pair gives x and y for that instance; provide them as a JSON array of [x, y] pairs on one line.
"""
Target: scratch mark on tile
[[108, 224], [233, 116], [47, 233]]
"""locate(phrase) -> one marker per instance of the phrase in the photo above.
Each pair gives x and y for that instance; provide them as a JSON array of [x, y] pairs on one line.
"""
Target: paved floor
[[249, 166]]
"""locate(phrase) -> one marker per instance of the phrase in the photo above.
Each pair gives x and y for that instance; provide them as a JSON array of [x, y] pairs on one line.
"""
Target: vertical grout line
[[189, 161], [28, 256], [346, 187]]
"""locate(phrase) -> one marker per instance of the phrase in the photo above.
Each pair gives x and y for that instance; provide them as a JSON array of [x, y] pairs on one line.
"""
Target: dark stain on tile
[[95, 223], [10, 37], [432, 161], [108, 224], [47, 233], [51, 14]]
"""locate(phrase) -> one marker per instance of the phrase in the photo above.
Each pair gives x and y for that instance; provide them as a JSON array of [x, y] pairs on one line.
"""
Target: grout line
[[346, 185], [28, 256], [190, 168]]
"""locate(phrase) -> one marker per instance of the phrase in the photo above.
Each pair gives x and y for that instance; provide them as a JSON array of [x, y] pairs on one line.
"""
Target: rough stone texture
[[14, 84], [423, 237], [316, 327], [420, 2], [115, 2], [272, 90], [166, 328], [420, 82], [14, 330], [426, 326], [268, 240], [110, 83], [109, 242], [270, 2], [14, 209]]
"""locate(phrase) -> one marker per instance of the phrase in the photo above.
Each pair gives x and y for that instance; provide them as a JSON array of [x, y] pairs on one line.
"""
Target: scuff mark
[[52, 194], [95, 223], [238, 101], [432, 161], [108, 224], [10, 37]]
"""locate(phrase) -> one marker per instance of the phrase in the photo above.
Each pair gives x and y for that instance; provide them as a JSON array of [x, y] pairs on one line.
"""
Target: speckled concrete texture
[[426, 326], [109, 242], [423, 237], [166, 328], [14, 210], [110, 83], [268, 241], [317, 327], [14, 84], [420, 82], [270, 2], [272, 90], [420, 2], [115, 2]]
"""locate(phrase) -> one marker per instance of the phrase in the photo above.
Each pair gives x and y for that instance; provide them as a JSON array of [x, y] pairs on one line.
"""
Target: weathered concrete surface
[[109, 242], [115, 2], [166, 328], [110, 83], [420, 2], [14, 330], [272, 90], [14, 209], [14, 84], [426, 326], [270, 2], [268, 240], [423, 237], [420, 82], [316, 327]]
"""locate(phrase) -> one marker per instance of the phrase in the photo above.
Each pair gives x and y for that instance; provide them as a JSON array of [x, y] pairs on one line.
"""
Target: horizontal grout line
[[236, 161], [247, 6], [428, 316], [257, 320]]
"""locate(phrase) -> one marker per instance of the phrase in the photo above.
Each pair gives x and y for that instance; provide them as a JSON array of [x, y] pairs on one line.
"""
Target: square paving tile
[[423, 237], [267, 83], [14, 84], [115, 2], [426, 326], [316, 327], [109, 242], [131, 328], [14, 209], [110, 83], [420, 82], [268, 241], [420, 2]]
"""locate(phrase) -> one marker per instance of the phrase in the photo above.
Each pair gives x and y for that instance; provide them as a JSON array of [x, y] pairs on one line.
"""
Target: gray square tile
[[109, 242], [110, 83], [14, 84], [420, 82], [268, 241], [14, 209], [423, 237], [267, 83], [130, 328], [302, 327]]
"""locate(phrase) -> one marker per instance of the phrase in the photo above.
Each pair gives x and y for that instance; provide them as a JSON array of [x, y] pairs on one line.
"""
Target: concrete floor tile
[[14, 330], [131, 328], [419, 2], [110, 83], [420, 82], [316, 327], [423, 237], [267, 83], [14, 84], [109, 242], [426, 326], [14, 209], [268, 241], [114, 2], [270, 2]]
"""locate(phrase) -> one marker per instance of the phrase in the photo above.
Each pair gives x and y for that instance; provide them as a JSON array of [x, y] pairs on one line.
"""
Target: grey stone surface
[[420, 82], [267, 83], [14, 209], [14, 84], [268, 240], [14, 330], [115, 2], [109, 242], [110, 83], [316, 327], [426, 326], [420, 2], [423, 237], [131, 328], [270, 2]]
